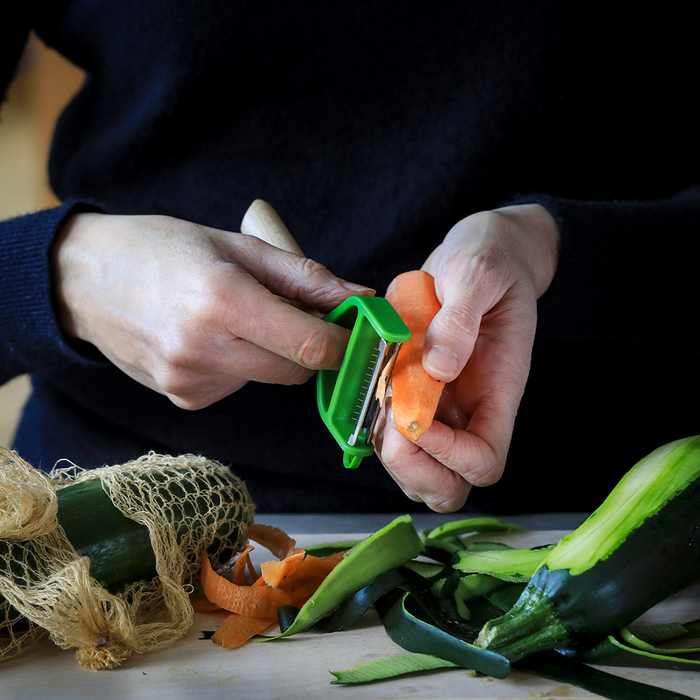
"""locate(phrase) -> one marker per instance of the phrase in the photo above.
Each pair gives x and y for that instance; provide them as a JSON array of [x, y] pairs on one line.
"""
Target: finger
[[420, 475], [236, 305], [292, 276], [466, 452], [201, 384], [450, 410]]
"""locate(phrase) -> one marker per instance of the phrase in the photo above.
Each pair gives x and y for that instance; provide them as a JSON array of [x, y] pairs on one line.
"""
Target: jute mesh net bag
[[189, 504]]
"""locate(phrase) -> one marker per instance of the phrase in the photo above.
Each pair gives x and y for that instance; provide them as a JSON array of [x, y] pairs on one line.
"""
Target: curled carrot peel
[[273, 572], [290, 581], [237, 629], [273, 538], [414, 393], [242, 563]]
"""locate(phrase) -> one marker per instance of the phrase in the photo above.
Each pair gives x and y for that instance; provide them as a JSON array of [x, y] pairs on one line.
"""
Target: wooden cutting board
[[299, 667]]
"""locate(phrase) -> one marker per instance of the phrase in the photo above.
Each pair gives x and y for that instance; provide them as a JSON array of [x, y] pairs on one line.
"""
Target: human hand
[[489, 272], [194, 312]]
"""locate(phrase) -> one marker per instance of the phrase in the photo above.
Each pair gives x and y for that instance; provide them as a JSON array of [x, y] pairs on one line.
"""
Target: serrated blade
[[374, 389]]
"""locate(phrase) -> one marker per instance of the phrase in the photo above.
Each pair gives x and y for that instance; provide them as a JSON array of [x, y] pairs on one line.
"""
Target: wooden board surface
[[299, 667]]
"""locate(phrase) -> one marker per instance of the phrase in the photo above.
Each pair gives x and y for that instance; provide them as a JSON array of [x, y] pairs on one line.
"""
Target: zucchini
[[135, 527], [639, 547], [119, 547]]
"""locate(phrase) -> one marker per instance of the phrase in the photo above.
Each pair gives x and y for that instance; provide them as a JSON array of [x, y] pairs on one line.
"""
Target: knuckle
[[315, 352], [456, 322], [312, 269], [485, 472], [445, 505], [195, 403], [172, 372], [171, 381]]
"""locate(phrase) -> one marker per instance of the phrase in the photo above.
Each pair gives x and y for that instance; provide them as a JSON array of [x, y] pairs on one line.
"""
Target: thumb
[[453, 332]]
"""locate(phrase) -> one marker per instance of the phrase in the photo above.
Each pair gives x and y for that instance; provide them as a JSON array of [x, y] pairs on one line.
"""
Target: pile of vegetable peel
[[254, 599], [437, 592]]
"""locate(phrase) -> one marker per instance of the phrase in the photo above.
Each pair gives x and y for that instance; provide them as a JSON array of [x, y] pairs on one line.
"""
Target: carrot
[[237, 629], [414, 393]]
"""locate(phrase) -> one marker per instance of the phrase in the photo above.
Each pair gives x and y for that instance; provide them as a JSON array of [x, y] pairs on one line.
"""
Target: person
[[540, 160]]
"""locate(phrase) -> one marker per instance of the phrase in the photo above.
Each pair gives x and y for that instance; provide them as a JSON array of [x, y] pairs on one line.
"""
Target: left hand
[[489, 272]]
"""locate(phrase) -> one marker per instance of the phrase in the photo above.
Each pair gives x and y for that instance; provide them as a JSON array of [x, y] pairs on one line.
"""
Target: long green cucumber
[[639, 547]]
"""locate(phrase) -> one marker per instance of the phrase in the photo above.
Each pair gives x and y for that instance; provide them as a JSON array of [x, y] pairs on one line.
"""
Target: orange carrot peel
[[290, 581]]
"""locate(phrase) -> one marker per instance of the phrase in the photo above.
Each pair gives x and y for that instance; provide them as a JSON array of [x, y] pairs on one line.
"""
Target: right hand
[[195, 312], [489, 272]]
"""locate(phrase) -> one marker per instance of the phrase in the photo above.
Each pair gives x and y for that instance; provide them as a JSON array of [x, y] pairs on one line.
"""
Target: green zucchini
[[639, 547], [119, 548]]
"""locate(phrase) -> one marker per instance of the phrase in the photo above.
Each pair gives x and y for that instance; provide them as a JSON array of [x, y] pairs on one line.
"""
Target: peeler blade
[[372, 399]]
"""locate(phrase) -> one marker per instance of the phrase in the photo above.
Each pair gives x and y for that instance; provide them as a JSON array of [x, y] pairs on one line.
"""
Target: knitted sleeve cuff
[[30, 337]]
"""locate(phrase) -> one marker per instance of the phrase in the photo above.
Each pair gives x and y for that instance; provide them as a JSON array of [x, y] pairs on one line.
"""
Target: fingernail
[[358, 288], [442, 361]]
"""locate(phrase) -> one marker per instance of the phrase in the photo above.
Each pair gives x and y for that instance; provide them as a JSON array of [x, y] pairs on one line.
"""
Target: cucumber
[[639, 547], [196, 496]]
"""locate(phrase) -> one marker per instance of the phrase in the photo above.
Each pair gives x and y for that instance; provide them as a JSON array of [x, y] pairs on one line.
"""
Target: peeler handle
[[263, 222]]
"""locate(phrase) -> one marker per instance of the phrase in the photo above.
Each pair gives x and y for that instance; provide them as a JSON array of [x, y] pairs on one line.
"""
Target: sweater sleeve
[[627, 271], [30, 337]]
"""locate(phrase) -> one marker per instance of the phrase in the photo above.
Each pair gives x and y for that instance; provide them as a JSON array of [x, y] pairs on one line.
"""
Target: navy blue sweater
[[373, 127]]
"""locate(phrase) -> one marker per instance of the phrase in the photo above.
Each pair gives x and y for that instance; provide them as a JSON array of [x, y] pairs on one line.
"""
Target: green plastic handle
[[340, 394]]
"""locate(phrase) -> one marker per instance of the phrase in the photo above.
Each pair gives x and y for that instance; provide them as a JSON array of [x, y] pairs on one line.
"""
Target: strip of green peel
[[594, 680], [643, 491], [393, 545], [637, 642], [390, 667], [419, 636], [513, 565], [614, 652], [456, 528], [327, 548]]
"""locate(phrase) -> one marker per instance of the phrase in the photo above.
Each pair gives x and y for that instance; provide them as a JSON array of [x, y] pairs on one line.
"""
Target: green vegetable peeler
[[349, 399]]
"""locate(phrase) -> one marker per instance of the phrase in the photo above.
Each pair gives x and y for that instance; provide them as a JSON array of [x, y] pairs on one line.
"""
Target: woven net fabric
[[188, 503]]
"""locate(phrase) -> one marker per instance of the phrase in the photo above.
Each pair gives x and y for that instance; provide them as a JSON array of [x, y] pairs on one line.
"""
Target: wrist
[[69, 255], [540, 244]]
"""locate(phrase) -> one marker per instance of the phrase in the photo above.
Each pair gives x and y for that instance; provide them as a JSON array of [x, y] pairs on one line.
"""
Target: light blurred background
[[43, 84]]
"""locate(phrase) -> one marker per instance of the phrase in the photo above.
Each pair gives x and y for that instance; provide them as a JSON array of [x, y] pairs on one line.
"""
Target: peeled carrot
[[414, 393], [256, 601]]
